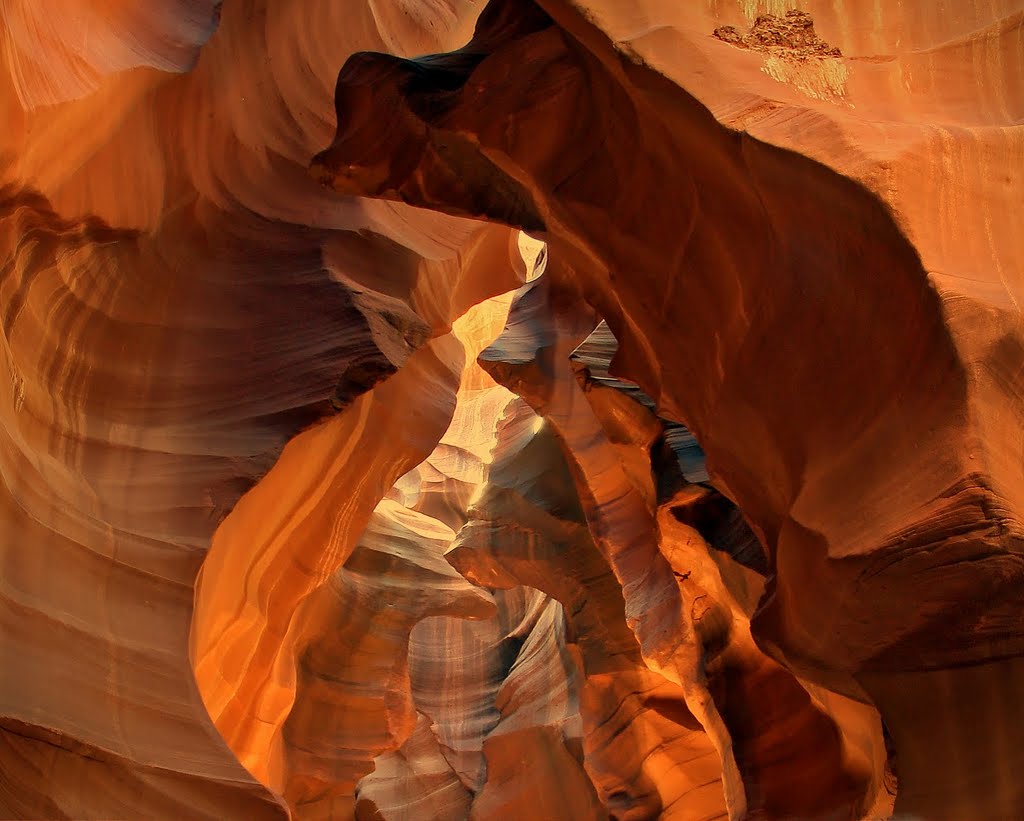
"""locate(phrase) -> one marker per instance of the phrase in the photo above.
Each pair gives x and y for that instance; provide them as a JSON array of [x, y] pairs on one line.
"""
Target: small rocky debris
[[792, 36]]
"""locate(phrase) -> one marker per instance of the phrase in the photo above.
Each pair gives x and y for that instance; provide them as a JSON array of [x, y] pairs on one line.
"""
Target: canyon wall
[[430, 409]]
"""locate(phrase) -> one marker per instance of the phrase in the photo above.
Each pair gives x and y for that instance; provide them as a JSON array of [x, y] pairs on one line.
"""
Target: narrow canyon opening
[[492, 641]]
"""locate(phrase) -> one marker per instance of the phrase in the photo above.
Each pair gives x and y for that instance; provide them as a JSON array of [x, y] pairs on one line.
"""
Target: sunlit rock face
[[613, 414]]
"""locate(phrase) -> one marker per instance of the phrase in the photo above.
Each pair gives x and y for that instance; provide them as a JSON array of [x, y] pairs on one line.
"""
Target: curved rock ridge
[[306, 632], [352, 696], [722, 219], [117, 407], [748, 697], [51, 59], [616, 508], [168, 326]]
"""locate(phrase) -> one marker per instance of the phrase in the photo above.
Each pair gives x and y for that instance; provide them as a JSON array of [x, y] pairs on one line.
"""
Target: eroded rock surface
[[326, 492]]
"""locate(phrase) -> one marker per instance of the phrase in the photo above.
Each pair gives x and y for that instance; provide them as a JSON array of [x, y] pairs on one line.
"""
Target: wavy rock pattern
[[738, 253], [328, 493]]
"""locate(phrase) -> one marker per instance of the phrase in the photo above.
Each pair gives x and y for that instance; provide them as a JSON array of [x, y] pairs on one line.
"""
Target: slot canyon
[[557, 410]]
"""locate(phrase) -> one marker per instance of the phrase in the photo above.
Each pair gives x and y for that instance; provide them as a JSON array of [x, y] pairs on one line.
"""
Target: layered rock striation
[[586, 411]]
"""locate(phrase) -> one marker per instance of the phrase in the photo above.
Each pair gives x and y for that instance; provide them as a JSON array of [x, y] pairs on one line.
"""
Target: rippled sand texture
[[328, 493]]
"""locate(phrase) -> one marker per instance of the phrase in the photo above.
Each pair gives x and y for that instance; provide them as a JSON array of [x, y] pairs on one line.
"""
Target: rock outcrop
[[587, 411]]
